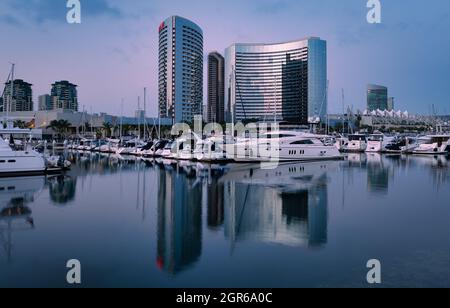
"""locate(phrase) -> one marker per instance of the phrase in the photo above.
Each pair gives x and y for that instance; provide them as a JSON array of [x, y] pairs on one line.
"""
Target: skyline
[[113, 53]]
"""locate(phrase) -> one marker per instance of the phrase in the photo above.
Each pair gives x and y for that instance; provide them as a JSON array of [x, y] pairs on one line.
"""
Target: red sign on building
[[161, 26]]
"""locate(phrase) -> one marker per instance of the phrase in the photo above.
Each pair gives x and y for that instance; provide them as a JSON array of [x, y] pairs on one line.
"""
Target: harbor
[[221, 151]]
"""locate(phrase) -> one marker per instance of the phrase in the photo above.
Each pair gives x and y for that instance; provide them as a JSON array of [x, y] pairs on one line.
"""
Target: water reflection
[[288, 205], [192, 204], [16, 196], [62, 189], [377, 174], [179, 220]]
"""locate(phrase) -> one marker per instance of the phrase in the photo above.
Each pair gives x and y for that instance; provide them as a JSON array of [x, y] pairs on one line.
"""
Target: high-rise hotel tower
[[284, 82], [180, 69]]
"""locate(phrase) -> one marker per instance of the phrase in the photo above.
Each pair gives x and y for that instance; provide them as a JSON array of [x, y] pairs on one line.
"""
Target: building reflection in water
[[179, 243], [288, 205], [15, 214], [377, 174], [215, 200], [62, 189]]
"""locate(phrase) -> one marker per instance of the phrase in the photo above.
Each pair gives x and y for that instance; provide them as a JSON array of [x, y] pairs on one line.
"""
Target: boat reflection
[[16, 194], [287, 205]]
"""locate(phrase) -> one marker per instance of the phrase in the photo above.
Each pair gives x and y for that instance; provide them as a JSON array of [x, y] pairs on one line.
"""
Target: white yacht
[[356, 143], [16, 163], [212, 149], [168, 150], [129, 147], [377, 142], [434, 145], [401, 145], [286, 146], [156, 149], [341, 143]]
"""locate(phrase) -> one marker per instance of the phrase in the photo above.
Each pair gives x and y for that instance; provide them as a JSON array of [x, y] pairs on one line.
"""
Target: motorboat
[[212, 149], [156, 149], [167, 152], [341, 143], [401, 145], [433, 145], [139, 151], [185, 146], [17, 163], [286, 146], [356, 143], [377, 142], [129, 147]]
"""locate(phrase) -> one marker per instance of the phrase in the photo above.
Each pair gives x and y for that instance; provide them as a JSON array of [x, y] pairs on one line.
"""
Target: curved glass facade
[[278, 82], [180, 69]]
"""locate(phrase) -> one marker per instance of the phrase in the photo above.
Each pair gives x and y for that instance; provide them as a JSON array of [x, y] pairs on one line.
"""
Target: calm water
[[142, 224]]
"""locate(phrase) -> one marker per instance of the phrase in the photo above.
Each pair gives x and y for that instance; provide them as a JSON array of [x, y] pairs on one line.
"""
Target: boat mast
[[11, 94], [139, 117], [121, 119], [145, 121], [343, 112]]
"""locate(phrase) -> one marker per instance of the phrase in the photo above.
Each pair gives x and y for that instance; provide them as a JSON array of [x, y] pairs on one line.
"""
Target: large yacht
[[23, 162], [434, 145], [285, 146]]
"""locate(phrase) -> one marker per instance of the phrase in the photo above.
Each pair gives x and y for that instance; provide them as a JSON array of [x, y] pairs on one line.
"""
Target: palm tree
[[61, 127], [107, 129], [20, 124], [126, 129]]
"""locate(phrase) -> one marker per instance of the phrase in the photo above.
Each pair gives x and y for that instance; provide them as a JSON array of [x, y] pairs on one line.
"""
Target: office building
[[277, 82], [391, 104], [22, 98], [45, 102], [377, 97], [216, 86], [180, 70], [64, 95]]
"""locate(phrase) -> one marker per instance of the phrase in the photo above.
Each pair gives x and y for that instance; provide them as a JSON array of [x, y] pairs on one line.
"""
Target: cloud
[[41, 11], [10, 20], [271, 6]]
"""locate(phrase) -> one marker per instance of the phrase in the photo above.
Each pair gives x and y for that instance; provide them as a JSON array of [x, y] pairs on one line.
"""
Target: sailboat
[[12, 161]]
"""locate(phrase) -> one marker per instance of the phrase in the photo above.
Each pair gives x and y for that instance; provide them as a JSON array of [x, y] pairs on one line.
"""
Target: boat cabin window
[[376, 138], [279, 136], [306, 141], [11, 161], [357, 138]]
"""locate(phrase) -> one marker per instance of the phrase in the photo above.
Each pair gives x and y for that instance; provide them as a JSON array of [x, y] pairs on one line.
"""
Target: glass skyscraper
[[377, 97], [180, 69], [216, 67], [277, 82]]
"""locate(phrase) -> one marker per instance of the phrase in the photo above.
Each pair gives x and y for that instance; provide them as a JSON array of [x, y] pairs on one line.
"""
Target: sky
[[112, 55]]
